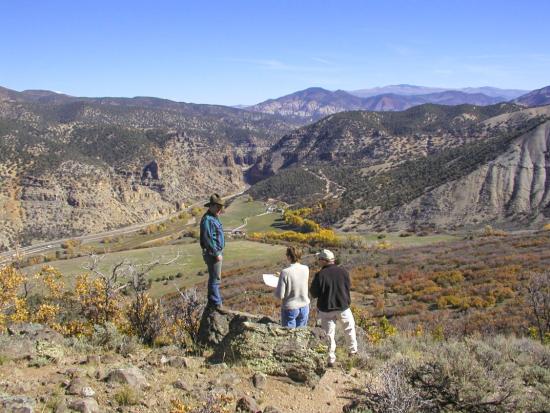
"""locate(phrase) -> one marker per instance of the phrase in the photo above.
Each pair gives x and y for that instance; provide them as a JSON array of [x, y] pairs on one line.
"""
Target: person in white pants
[[331, 286], [328, 323]]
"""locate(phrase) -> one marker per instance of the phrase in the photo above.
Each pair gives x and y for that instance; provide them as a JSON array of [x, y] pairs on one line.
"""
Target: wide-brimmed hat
[[326, 255], [215, 199]]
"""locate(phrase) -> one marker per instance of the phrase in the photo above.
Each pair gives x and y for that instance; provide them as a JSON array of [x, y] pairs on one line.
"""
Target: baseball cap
[[327, 255]]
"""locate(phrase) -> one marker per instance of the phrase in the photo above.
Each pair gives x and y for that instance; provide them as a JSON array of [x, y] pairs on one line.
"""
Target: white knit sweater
[[293, 286]]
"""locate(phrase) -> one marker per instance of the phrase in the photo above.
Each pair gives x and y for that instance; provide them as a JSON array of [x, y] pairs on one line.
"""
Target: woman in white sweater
[[293, 291]]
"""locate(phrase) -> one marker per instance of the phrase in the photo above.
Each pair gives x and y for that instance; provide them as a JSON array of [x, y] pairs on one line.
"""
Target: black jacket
[[331, 287]]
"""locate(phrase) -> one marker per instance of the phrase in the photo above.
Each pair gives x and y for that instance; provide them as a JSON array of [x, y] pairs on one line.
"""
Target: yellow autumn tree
[[54, 287], [324, 237], [98, 300], [13, 308]]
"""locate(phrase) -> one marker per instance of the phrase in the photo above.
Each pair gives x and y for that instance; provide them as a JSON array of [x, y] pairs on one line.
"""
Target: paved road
[[51, 245]]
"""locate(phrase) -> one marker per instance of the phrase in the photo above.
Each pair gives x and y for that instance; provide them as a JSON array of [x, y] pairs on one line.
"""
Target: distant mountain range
[[72, 165], [409, 90], [315, 103]]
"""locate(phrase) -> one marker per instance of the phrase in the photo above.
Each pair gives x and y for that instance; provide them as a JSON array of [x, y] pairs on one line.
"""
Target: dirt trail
[[328, 194], [334, 391]]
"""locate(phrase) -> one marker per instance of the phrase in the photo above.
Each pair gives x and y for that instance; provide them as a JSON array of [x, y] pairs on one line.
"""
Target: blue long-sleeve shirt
[[212, 239]]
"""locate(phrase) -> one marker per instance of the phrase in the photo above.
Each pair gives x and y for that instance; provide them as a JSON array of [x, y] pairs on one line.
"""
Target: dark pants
[[214, 279]]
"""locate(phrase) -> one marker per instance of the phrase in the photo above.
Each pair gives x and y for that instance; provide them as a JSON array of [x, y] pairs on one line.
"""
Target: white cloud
[[278, 65], [401, 50], [444, 72], [321, 60]]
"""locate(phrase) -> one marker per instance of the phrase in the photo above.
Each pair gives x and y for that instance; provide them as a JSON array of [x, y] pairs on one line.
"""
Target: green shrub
[[499, 374], [392, 392], [146, 318], [55, 401], [3, 359], [110, 338], [127, 396]]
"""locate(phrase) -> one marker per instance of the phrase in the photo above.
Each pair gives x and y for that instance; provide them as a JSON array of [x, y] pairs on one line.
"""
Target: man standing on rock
[[331, 286], [212, 243]]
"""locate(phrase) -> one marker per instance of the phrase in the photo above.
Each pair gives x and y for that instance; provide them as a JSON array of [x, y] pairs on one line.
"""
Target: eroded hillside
[[515, 187]]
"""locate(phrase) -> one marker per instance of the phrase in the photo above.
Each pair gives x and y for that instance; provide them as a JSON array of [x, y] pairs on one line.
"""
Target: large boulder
[[36, 332], [30, 340], [247, 404], [214, 326], [86, 405], [264, 346], [16, 404], [15, 348], [132, 376]]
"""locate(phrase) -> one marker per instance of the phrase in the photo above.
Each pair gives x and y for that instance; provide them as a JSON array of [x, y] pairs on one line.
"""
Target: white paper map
[[270, 280]]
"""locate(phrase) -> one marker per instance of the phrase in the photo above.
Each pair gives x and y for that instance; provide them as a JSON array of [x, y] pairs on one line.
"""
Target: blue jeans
[[214, 279], [295, 318]]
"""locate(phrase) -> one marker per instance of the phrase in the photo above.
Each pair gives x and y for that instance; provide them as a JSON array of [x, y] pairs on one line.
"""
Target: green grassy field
[[267, 222], [170, 232], [172, 228], [238, 254], [410, 241], [240, 208], [254, 213]]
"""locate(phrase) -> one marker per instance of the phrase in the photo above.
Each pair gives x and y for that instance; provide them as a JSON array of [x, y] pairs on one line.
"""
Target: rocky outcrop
[[78, 198], [264, 346], [151, 171], [214, 326]]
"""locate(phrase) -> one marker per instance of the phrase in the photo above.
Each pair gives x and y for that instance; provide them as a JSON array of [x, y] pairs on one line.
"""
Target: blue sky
[[243, 52]]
